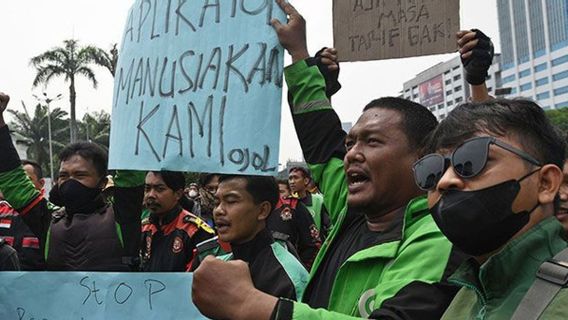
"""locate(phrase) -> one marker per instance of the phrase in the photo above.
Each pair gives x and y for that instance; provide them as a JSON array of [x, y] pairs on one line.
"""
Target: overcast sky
[[28, 28]]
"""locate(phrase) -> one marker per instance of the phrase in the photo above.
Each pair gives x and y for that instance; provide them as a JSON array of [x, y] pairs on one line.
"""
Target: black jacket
[[169, 242], [104, 240], [292, 218], [273, 269]]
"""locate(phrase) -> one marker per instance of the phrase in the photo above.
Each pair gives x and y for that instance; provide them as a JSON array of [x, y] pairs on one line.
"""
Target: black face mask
[[77, 198], [481, 221], [55, 196]]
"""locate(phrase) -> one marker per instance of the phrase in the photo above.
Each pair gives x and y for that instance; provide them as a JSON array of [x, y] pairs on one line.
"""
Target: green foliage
[[559, 118], [70, 61], [95, 127], [33, 128]]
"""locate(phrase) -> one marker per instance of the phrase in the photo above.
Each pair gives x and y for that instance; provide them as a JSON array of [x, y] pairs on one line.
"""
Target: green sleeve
[[307, 88], [17, 188], [129, 178], [303, 311], [320, 134], [330, 177]]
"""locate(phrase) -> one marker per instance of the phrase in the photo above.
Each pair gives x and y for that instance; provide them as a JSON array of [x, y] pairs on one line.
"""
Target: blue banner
[[96, 295], [198, 87]]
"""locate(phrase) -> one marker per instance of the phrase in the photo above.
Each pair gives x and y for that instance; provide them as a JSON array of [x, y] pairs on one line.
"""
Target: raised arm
[[18, 190], [476, 52], [318, 127]]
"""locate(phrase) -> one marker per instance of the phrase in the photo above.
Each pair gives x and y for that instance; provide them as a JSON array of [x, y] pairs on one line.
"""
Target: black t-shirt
[[354, 236]]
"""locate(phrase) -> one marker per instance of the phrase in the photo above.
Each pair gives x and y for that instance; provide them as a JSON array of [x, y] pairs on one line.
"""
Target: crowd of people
[[400, 218]]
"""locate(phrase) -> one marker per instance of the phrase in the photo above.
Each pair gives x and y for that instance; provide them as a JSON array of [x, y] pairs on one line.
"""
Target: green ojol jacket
[[495, 289], [404, 272]]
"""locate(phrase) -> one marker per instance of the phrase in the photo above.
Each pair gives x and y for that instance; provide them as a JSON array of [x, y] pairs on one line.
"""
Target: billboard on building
[[432, 91]]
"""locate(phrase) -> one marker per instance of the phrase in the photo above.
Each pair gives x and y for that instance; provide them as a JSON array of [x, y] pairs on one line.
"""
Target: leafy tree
[[95, 128], [108, 59], [68, 61], [34, 132], [559, 118]]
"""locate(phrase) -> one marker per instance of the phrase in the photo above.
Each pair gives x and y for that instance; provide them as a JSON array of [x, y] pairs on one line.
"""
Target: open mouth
[[356, 179], [562, 213]]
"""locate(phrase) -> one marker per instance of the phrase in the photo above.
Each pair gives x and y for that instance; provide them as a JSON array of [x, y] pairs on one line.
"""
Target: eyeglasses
[[468, 160]]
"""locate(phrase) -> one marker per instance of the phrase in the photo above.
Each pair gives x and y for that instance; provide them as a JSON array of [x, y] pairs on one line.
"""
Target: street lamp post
[[48, 101]]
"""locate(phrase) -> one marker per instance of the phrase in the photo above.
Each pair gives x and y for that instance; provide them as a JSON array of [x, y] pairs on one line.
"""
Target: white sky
[[30, 27]]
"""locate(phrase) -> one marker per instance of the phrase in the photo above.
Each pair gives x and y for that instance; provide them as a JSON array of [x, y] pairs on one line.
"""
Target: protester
[[87, 234], [208, 184], [16, 233], [505, 161], [192, 191], [385, 257], [284, 189], [244, 204], [493, 186], [170, 234], [299, 179], [291, 221], [8, 257]]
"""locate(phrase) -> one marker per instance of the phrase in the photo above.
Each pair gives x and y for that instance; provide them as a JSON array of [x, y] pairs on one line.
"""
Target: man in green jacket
[[384, 257], [493, 186], [496, 202]]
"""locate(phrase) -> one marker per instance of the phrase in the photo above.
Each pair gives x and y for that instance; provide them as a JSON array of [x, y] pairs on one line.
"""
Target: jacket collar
[[515, 266], [248, 251], [165, 219], [390, 240]]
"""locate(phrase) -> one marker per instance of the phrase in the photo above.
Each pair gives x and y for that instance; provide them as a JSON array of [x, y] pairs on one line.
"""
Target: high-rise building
[[534, 50], [443, 87]]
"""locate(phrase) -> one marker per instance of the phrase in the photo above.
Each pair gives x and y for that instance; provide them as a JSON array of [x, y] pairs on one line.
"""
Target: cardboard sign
[[96, 295], [198, 87], [384, 29]]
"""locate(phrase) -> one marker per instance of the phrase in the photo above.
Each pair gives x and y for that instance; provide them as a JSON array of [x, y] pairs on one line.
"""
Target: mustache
[[152, 203]]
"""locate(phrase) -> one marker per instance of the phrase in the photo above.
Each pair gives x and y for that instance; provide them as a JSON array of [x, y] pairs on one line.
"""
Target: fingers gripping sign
[[292, 36]]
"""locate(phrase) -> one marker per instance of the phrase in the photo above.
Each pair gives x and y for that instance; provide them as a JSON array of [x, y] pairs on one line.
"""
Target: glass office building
[[534, 50]]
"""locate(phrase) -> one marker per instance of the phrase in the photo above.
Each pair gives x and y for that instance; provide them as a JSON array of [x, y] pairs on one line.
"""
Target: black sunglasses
[[468, 160]]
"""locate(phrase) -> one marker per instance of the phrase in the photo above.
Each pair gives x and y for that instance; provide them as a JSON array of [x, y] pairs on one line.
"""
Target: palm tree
[[68, 61], [108, 59], [34, 132], [95, 128]]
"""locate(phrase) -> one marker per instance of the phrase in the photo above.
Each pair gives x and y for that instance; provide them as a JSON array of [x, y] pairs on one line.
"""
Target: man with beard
[[88, 234], [384, 257], [170, 234]]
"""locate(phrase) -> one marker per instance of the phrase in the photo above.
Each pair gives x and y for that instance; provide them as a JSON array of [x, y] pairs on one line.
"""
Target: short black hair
[[417, 120], [205, 178], [303, 170], [523, 119], [284, 182], [88, 151], [261, 188], [174, 180], [37, 168]]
